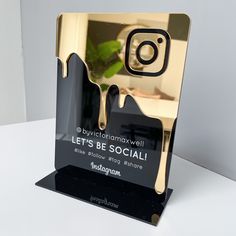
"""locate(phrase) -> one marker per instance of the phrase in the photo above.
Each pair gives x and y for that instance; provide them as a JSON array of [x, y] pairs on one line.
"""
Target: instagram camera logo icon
[[147, 52]]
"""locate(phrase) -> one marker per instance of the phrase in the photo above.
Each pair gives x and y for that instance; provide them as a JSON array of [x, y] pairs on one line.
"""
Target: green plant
[[103, 60]]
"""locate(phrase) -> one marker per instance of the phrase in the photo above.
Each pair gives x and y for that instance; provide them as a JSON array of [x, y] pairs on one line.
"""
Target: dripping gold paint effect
[[102, 118], [160, 184], [155, 218], [71, 38], [122, 99], [64, 69]]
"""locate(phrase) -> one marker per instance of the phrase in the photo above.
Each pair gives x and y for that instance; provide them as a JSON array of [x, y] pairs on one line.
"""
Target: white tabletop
[[203, 203]]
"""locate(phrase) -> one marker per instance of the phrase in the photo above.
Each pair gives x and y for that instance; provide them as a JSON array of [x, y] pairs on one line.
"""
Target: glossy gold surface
[[157, 97]]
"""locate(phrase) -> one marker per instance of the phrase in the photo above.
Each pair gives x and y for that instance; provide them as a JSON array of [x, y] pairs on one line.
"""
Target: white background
[[206, 130], [12, 87]]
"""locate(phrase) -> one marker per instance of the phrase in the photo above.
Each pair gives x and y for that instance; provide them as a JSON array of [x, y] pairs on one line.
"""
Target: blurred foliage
[[103, 60]]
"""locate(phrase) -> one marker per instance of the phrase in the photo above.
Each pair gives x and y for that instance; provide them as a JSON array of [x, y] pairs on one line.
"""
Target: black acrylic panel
[[77, 114]]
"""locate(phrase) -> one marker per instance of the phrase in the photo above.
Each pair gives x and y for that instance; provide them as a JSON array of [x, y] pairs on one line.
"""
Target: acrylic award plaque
[[118, 91]]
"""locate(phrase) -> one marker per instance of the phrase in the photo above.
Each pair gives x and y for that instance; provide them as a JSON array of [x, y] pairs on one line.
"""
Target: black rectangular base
[[125, 198]]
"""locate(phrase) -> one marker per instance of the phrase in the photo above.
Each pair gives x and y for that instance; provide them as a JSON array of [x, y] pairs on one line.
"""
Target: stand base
[[119, 196]]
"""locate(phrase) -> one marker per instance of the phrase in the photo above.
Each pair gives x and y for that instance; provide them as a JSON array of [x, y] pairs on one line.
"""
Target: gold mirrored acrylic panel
[[143, 54]]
